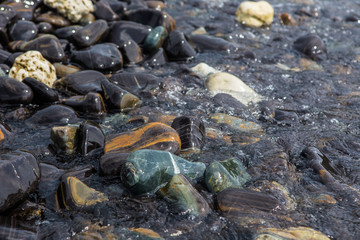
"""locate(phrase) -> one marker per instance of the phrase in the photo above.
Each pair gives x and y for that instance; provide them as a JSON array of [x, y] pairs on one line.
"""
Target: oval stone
[[54, 19], [104, 11], [155, 39], [91, 104], [13, 91], [91, 33], [67, 32], [53, 115], [310, 45], [155, 135], [23, 30], [178, 48], [42, 92], [136, 31]]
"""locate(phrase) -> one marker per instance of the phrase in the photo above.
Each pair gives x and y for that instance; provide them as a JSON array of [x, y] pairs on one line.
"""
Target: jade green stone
[[155, 39], [146, 171], [180, 192], [225, 174]]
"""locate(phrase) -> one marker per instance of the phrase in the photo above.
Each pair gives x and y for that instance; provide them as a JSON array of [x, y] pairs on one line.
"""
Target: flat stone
[[33, 64], [64, 138], [255, 14], [73, 10], [303, 233]]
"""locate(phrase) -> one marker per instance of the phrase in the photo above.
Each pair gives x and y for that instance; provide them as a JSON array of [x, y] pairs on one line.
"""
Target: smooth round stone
[[23, 30], [81, 82], [53, 115], [44, 27], [73, 193], [286, 117], [223, 82], [102, 57], [206, 42], [20, 172], [303, 233], [178, 48], [48, 45], [54, 19], [91, 139], [146, 171], [24, 9], [33, 64], [311, 45], [131, 51], [136, 31], [184, 196], [225, 174], [91, 33], [63, 70], [118, 99], [4, 56], [152, 18], [111, 163], [7, 13], [42, 92], [227, 101], [73, 10], [87, 19], [155, 39], [92, 104], [67, 32], [191, 131], [136, 83], [13, 91], [155, 135], [5, 131], [255, 14], [104, 11], [159, 58], [64, 138]]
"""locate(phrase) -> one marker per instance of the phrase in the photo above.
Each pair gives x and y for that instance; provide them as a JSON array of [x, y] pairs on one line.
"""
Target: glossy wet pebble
[[311, 45], [23, 30], [91, 104], [20, 173], [15, 92], [33, 64], [91, 33], [156, 135], [255, 14], [155, 39], [104, 11], [304, 233], [136, 31], [178, 48], [111, 163], [91, 138], [101, 57], [67, 32], [42, 93], [206, 42], [131, 51], [53, 115], [141, 171], [64, 138], [54, 19]]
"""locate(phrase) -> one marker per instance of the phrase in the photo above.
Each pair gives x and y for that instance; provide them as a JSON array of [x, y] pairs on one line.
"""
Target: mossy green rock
[[146, 171], [225, 174]]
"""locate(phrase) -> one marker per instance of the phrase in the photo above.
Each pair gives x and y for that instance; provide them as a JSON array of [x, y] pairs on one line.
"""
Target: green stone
[[146, 171], [155, 39], [180, 192], [225, 174]]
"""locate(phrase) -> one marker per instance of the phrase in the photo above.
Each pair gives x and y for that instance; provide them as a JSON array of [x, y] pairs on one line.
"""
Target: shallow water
[[324, 95]]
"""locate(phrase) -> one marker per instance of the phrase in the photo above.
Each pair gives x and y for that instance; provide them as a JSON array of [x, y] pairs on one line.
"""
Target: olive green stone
[[146, 171], [180, 192], [225, 174], [155, 39]]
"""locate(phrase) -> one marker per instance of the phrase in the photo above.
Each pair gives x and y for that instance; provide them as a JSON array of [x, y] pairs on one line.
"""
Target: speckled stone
[[33, 64], [71, 9], [255, 14]]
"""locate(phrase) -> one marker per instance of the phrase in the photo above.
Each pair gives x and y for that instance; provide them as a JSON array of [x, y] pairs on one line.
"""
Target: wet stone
[[158, 58], [91, 139], [81, 82], [7, 13], [14, 92], [154, 135], [303, 233], [44, 27], [72, 10], [91, 104], [104, 11], [64, 138], [131, 52], [192, 133], [24, 9], [42, 92], [206, 42], [311, 45], [54, 19], [286, 117], [136, 31], [20, 173], [178, 48], [91, 33], [225, 174], [33, 64], [63, 70], [5, 131], [23, 30], [53, 115], [101, 57], [111, 163], [155, 39], [146, 171], [183, 196], [255, 14], [67, 32]]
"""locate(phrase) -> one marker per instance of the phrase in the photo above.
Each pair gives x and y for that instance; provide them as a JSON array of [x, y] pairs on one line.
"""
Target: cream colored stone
[[203, 70], [292, 233], [71, 9], [33, 64], [222, 82], [255, 14]]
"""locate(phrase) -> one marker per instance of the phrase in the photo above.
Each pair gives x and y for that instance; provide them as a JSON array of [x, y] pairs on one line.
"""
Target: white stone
[[203, 70], [223, 82], [73, 10], [255, 14], [33, 64]]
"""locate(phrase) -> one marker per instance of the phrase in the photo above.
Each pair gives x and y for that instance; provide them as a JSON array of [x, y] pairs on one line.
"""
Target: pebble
[[53, 115], [311, 45], [136, 31], [72, 10], [155, 39], [91, 33], [178, 48], [14, 92], [131, 52], [140, 172], [33, 64], [255, 14], [64, 138], [91, 139], [91, 104], [53, 18], [42, 93], [204, 70], [103, 10], [23, 30], [303, 233]]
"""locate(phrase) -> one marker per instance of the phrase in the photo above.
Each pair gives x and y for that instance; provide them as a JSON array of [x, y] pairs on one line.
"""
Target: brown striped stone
[[156, 135]]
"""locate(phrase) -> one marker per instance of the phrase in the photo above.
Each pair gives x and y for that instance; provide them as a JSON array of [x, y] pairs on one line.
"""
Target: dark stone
[[205, 42], [91, 104], [136, 31], [7, 13], [311, 45], [104, 11], [14, 91], [102, 57], [159, 58], [178, 48], [44, 27], [91, 139], [286, 117], [42, 92], [131, 51], [226, 100], [54, 19], [111, 163], [23, 30], [91, 33], [67, 32], [4, 56], [54, 115], [20, 174]]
